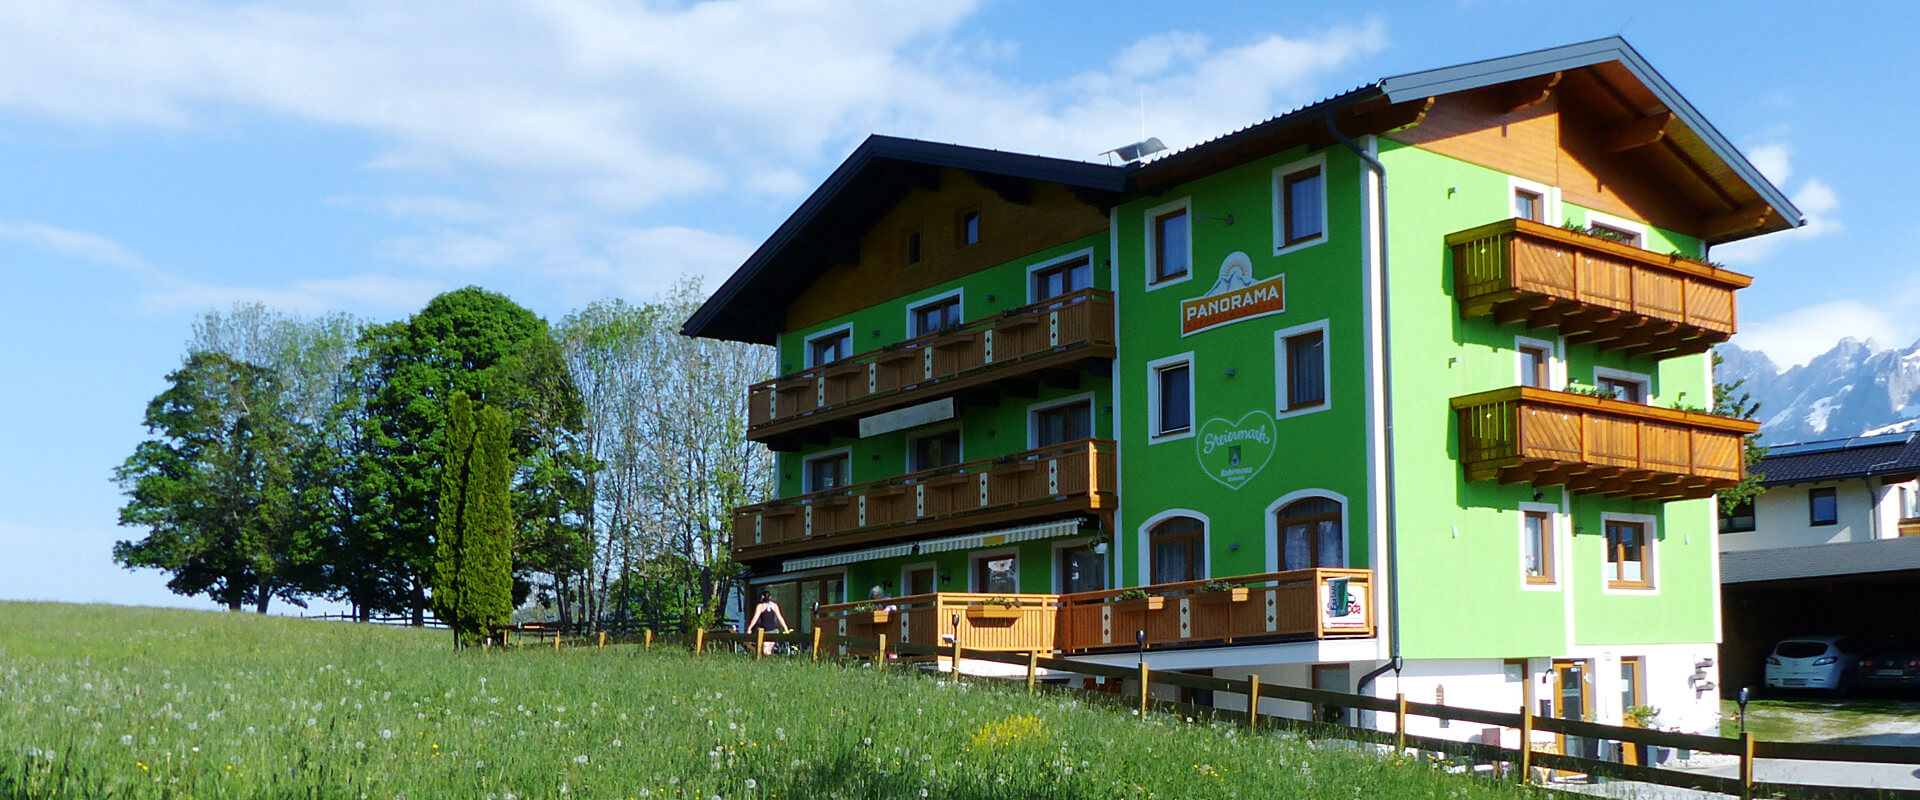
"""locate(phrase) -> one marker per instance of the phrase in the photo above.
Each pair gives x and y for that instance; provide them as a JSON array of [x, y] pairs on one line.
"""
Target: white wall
[[1780, 517]]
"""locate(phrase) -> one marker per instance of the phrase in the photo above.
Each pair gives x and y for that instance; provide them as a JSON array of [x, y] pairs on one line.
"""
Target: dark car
[[1891, 664]]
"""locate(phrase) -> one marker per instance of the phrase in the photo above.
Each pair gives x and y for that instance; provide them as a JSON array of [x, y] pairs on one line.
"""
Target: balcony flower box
[[1237, 594], [874, 617], [1148, 603], [993, 612]]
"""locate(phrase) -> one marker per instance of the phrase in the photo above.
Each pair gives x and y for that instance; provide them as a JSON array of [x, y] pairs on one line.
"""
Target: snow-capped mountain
[[1849, 390]]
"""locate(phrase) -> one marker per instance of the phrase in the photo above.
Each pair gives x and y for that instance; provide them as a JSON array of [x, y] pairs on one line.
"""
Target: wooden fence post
[[1746, 765], [1526, 743], [603, 640], [648, 639], [506, 637], [816, 642], [1144, 674], [1253, 702], [880, 654], [1400, 724], [556, 640], [759, 643], [956, 658], [1033, 670], [699, 640]]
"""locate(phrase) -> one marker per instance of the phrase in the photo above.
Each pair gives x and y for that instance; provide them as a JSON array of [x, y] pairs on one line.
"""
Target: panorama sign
[[1235, 297]]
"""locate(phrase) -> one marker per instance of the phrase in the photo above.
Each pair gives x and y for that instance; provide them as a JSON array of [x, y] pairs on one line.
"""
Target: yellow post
[[649, 639], [556, 640], [956, 658], [603, 640], [1253, 702], [1746, 765], [699, 641], [759, 642], [816, 642], [880, 654], [1526, 742], [506, 637], [1143, 689], [1399, 724], [1033, 670]]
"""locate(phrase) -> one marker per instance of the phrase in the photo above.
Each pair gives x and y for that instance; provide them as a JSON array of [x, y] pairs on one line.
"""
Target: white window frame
[[1651, 525], [1273, 543], [1034, 409], [1152, 253], [973, 567], [1078, 541], [1556, 362], [1143, 537], [1549, 198], [1645, 380], [906, 459], [806, 353], [1557, 533], [806, 467], [1606, 220], [906, 569], [1280, 338], [1278, 189], [1034, 297], [919, 303], [1154, 435]]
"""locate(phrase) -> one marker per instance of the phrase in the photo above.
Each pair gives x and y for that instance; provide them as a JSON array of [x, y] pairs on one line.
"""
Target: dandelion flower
[[752, 784], [580, 759], [127, 739]]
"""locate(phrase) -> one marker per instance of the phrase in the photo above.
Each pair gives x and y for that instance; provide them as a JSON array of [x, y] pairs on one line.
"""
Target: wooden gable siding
[[1559, 144], [1008, 231]]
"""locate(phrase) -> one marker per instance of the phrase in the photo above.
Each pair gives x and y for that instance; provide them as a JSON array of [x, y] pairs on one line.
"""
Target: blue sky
[[165, 158]]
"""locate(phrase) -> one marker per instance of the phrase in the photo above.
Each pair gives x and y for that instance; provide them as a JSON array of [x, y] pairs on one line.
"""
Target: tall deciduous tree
[[215, 488], [473, 566]]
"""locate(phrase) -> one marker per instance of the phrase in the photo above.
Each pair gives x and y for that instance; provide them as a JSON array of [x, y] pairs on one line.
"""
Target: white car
[[1814, 662]]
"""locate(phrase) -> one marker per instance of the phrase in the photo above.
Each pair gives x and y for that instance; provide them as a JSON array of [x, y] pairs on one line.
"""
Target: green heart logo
[[1233, 452]]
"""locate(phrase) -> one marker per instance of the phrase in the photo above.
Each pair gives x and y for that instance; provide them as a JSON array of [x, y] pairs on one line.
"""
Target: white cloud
[[1797, 336], [74, 244], [1819, 206], [1774, 160]]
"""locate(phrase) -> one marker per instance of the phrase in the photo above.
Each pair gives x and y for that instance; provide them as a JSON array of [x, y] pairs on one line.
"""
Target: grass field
[[116, 702]]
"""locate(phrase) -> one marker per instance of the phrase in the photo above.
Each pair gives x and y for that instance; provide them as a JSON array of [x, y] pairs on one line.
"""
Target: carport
[[1853, 589]]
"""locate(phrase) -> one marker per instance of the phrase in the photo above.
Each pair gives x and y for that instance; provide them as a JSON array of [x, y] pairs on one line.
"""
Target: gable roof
[[1894, 454], [878, 173]]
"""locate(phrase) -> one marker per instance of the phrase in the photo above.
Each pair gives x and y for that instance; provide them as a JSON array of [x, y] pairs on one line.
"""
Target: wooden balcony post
[[1253, 703]]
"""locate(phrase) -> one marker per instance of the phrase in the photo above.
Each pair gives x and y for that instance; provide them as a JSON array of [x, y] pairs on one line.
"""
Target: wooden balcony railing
[[1613, 295], [1053, 335], [1300, 604], [1588, 444], [1076, 477]]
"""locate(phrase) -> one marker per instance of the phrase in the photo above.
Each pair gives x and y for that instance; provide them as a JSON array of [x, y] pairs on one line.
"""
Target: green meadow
[[102, 701]]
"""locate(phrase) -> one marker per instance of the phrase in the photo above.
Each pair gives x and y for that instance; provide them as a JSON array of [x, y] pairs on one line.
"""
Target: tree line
[[297, 457]]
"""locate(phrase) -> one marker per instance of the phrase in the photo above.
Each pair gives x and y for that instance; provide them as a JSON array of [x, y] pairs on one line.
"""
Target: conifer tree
[[473, 565]]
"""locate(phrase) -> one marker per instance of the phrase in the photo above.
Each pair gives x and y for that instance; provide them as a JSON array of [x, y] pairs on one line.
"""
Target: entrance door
[[798, 597], [1571, 701], [1082, 570], [920, 581]]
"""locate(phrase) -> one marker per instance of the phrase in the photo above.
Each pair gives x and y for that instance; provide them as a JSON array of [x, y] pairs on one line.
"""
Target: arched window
[[1177, 548], [1310, 534]]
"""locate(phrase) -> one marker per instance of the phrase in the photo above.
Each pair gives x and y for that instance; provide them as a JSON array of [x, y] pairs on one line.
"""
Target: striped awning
[[993, 538]]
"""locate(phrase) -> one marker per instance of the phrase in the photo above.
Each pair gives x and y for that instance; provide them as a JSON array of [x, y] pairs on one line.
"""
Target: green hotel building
[[1400, 392]]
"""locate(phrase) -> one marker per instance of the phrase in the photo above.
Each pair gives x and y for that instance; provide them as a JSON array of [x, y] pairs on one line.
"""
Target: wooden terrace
[[1612, 295], [1013, 352], [1074, 478], [1590, 444]]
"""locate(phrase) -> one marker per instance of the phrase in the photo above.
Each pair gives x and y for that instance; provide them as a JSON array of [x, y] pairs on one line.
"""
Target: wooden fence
[[1523, 761]]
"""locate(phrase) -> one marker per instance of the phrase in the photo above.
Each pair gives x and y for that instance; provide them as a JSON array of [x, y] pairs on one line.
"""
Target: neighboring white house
[[1831, 492]]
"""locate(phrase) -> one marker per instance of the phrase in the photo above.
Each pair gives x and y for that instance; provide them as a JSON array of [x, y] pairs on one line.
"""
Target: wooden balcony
[[1076, 477], [1248, 609], [1014, 351], [1612, 295], [1588, 444]]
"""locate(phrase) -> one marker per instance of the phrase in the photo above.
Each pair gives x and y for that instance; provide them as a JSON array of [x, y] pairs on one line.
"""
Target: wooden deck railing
[[1033, 484], [1590, 444], [1614, 295], [1055, 334], [1306, 603]]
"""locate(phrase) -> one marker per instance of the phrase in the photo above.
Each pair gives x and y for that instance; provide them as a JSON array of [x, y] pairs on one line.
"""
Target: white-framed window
[[829, 346], [1307, 529], [1059, 276], [832, 469], [1630, 563], [1080, 565], [1537, 363], [933, 449], [1170, 398], [1631, 387], [1173, 546], [1302, 382], [1300, 204], [1060, 421], [1540, 546], [1533, 201], [995, 572], [1169, 243], [921, 578], [1625, 230], [934, 314]]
